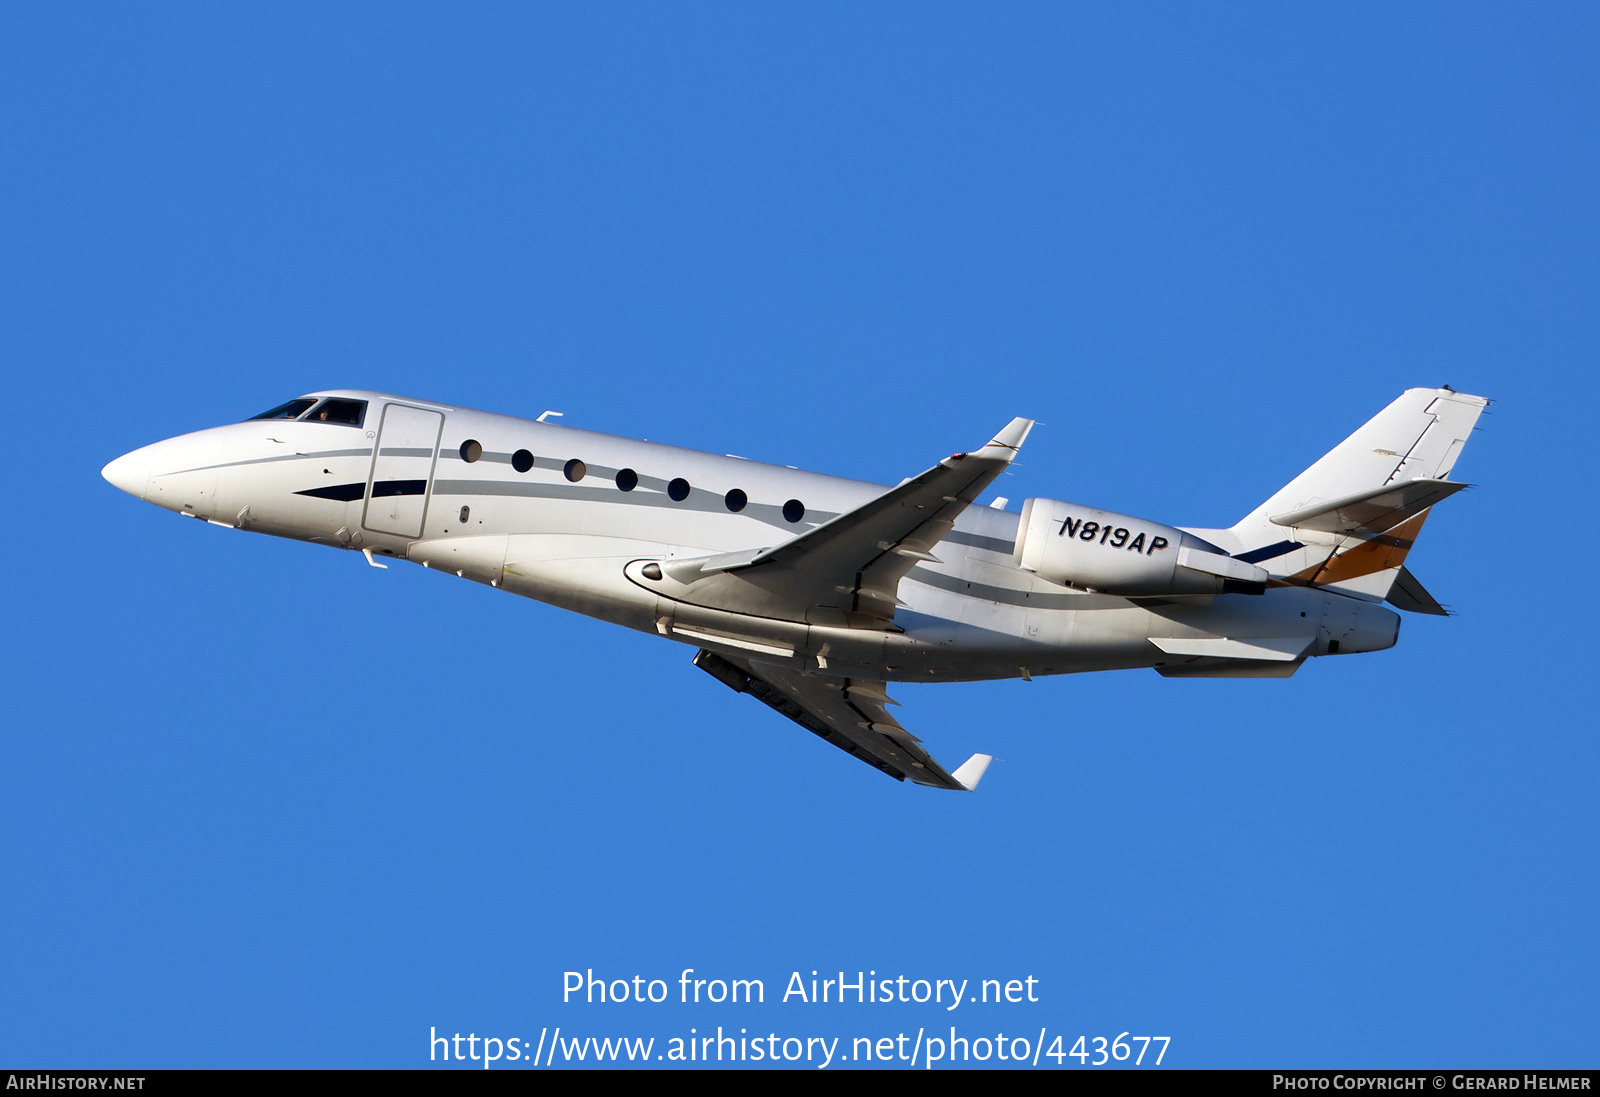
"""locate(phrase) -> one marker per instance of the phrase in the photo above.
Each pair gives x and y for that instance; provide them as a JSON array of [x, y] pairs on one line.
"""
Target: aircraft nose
[[130, 472]]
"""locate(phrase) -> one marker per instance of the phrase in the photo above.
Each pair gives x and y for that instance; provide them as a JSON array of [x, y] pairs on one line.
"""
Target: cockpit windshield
[[292, 410], [350, 413]]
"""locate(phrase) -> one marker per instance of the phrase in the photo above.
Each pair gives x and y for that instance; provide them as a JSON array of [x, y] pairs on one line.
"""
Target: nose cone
[[130, 472], [179, 473]]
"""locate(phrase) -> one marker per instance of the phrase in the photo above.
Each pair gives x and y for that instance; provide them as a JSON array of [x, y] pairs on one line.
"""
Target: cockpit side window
[[333, 410], [292, 410]]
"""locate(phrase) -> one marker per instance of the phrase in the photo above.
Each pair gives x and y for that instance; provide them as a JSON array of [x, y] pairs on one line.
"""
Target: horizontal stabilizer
[[1408, 594], [1370, 512]]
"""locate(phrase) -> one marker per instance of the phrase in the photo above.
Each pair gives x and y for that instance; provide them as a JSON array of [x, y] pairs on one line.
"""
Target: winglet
[[970, 772], [1004, 445]]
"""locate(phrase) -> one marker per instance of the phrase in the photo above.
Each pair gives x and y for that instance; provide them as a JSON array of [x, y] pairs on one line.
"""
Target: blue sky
[[265, 806]]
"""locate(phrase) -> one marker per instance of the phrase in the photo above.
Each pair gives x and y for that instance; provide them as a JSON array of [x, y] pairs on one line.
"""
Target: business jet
[[809, 592]]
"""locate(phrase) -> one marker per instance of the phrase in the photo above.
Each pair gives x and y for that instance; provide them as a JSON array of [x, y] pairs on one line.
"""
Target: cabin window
[[522, 460], [292, 410], [346, 412], [576, 470], [794, 510], [736, 500], [627, 479], [471, 450], [678, 490]]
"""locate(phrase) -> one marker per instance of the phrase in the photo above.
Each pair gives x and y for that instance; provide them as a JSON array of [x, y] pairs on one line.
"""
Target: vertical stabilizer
[[1418, 437], [1347, 522]]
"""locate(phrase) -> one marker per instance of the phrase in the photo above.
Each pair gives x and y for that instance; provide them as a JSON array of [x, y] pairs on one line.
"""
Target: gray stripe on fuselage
[[706, 502], [365, 452], [557, 464], [1009, 596], [653, 488], [978, 540]]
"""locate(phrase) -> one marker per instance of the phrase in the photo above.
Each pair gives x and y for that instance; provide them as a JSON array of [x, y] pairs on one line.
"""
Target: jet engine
[[1110, 553]]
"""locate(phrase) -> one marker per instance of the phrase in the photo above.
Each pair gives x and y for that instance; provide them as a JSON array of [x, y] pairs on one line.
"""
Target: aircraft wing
[[853, 563], [850, 713]]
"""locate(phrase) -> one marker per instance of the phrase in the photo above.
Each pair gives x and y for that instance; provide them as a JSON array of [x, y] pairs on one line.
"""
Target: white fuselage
[[451, 488]]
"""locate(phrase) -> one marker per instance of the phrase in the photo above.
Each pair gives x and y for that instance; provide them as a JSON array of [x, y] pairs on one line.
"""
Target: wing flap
[[1270, 648]]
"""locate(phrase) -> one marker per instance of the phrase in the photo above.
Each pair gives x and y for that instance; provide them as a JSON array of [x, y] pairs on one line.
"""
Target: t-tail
[[1347, 522]]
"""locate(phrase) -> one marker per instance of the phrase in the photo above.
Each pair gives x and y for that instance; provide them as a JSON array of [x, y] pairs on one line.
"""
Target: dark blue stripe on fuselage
[[347, 493], [384, 488], [1267, 552]]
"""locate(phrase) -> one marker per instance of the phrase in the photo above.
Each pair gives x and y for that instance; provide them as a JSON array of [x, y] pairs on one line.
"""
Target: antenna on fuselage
[[546, 415]]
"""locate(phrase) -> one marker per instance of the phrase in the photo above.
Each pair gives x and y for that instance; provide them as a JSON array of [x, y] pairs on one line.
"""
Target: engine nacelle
[[1112, 553]]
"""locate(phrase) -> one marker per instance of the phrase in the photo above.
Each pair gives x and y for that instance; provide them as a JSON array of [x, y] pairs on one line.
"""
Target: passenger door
[[402, 470]]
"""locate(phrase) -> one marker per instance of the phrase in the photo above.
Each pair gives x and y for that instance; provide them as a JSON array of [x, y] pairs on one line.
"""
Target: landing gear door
[[402, 470]]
